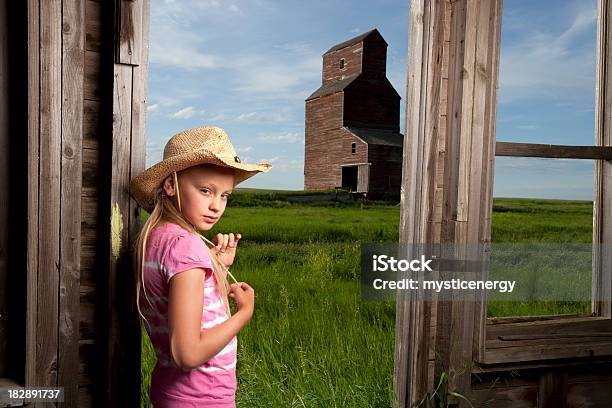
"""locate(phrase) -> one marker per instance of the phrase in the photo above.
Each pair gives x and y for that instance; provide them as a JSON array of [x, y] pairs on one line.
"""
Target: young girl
[[186, 304]]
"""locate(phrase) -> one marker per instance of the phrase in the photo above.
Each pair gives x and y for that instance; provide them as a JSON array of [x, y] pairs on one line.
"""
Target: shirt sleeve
[[186, 252]]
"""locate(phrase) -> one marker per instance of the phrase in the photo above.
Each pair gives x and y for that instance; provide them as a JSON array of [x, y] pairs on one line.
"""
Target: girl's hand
[[244, 296], [225, 247]]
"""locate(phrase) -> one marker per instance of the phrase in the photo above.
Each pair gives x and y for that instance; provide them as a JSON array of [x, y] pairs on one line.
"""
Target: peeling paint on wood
[[116, 229]]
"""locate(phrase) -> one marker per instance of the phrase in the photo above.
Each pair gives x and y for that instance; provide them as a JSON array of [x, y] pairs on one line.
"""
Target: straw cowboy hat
[[191, 147]]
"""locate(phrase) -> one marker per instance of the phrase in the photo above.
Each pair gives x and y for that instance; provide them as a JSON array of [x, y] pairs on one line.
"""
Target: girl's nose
[[215, 203]]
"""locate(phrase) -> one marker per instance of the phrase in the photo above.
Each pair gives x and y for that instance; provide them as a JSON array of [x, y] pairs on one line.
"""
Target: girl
[[186, 304]]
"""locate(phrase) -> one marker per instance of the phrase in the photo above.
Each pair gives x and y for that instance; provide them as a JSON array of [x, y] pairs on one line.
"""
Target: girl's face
[[204, 191]]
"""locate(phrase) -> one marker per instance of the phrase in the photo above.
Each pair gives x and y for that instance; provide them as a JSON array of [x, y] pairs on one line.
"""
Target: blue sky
[[247, 66]]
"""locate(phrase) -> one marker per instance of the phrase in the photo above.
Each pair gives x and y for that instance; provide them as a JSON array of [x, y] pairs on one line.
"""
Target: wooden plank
[[466, 38], [92, 75], [95, 37], [520, 319], [129, 47], [488, 161], [363, 177], [525, 396], [411, 374], [88, 361], [502, 369], [523, 353], [86, 396], [49, 196], [91, 170], [89, 266], [584, 325], [552, 151], [119, 209], [602, 204], [73, 47], [473, 33], [593, 394], [137, 165], [87, 320], [548, 336], [128, 142], [91, 124], [31, 301], [512, 342]]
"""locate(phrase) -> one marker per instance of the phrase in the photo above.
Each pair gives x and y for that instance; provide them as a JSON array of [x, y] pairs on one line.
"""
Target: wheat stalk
[[218, 261]]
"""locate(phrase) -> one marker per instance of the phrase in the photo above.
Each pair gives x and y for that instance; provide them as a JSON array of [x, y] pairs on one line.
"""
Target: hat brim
[[144, 186]]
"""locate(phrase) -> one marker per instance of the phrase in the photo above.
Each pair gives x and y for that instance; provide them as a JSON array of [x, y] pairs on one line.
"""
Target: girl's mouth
[[210, 219]]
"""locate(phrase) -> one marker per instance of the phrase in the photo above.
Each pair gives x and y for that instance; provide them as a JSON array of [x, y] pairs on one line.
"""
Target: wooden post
[[33, 189], [130, 37], [602, 205], [55, 93], [128, 159], [48, 177], [73, 61], [447, 179]]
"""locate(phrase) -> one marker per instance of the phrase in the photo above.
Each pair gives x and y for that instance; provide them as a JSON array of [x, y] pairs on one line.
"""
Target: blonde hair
[[165, 210]]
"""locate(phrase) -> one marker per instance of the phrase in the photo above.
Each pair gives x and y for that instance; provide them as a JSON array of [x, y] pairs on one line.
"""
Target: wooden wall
[[86, 138], [327, 145], [371, 103], [385, 171], [352, 63]]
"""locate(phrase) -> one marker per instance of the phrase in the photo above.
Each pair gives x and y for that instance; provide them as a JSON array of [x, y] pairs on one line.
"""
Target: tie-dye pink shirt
[[172, 250]]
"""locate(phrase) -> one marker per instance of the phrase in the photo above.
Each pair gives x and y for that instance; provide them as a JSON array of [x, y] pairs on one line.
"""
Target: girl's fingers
[[219, 239], [224, 241]]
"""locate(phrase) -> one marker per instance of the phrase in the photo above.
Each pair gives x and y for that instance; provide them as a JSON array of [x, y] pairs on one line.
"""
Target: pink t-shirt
[[172, 250]]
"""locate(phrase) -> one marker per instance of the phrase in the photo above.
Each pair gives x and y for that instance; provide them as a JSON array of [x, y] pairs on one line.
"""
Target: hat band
[[229, 156]]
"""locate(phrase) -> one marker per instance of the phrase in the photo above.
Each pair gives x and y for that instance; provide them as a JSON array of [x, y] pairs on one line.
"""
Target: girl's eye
[[204, 190]]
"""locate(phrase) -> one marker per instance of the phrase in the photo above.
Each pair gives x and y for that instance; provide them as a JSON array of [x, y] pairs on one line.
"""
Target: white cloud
[[186, 113], [245, 149], [165, 101], [545, 64], [153, 108], [172, 42], [297, 47], [172, 54], [255, 117], [275, 77], [288, 137], [218, 117]]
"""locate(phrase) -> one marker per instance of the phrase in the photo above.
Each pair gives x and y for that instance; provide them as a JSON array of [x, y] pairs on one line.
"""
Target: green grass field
[[312, 341]]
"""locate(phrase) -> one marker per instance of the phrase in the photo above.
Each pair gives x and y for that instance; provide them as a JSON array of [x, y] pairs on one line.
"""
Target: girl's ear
[[168, 186]]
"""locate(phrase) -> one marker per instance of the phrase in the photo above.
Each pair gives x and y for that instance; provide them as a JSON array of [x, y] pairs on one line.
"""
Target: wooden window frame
[[353, 148], [524, 340], [342, 63], [447, 194]]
